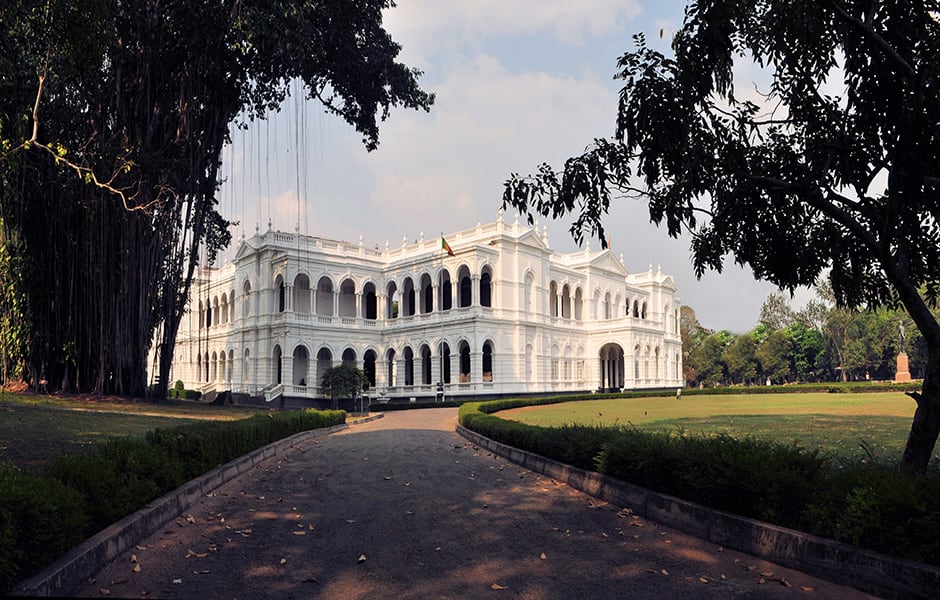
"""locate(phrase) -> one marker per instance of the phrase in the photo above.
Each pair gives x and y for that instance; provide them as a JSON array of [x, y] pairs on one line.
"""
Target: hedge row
[[181, 394], [867, 505], [44, 514]]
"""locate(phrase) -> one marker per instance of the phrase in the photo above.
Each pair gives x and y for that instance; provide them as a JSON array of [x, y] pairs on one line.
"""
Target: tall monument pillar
[[903, 373]]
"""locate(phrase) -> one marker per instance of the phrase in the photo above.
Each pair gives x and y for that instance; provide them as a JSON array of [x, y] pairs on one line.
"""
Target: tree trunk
[[926, 424]]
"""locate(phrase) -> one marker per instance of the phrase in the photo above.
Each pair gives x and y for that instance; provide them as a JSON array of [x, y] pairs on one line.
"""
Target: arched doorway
[[425, 365], [611, 367], [324, 362], [301, 362], [276, 359], [464, 350], [368, 363]]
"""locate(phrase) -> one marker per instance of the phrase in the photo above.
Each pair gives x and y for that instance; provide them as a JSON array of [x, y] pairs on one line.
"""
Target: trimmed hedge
[[182, 394], [868, 505], [42, 515]]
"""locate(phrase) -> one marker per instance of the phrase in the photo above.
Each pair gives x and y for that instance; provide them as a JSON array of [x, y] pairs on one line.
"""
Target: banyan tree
[[113, 115]]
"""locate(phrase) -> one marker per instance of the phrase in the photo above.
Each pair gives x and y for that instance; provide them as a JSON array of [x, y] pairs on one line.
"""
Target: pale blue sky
[[518, 82]]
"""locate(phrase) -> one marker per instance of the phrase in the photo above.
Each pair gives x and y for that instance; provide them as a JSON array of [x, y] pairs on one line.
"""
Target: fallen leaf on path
[[703, 579], [664, 572], [806, 588], [350, 521], [496, 586], [201, 572], [283, 561], [299, 532], [190, 519], [139, 547], [136, 568], [762, 581], [785, 583], [542, 556], [361, 559], [104, 591], [133, 558], [119, 581], [767, 574], [177, 581], [387, 478]]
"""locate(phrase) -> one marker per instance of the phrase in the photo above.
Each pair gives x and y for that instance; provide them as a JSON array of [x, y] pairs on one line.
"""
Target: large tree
[[113, 116], [833, 167]]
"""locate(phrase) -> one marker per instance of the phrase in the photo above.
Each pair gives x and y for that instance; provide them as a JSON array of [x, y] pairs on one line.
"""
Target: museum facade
[[493, 311]]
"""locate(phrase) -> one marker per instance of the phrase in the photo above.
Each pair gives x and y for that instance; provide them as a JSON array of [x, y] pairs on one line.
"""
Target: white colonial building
[[504, 316]]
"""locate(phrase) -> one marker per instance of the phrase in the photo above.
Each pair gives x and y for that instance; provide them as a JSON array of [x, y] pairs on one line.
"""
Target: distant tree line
[[819, 342]]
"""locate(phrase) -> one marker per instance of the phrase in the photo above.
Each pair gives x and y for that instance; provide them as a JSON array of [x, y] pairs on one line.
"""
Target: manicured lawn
[[36, 429], [847, 425]]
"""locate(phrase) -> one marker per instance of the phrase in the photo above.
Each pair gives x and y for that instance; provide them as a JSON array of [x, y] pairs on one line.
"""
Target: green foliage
[[183, 394], [179, 385], [873, 506], [104, 196], [836, 172], [77, 495], [344, 381], [40, 519]]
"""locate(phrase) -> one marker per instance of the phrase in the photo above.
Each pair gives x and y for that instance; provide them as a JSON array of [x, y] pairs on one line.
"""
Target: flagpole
[[440, 347]]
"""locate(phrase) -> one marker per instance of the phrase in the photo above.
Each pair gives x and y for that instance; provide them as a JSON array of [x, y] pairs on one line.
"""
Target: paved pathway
[[403, 507]]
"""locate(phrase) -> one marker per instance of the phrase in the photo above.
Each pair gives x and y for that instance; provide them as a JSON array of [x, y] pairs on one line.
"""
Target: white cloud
[[448, 167], [432, 24]]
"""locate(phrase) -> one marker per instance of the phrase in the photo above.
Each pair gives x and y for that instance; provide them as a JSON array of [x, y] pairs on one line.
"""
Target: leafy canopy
[[833, 166]]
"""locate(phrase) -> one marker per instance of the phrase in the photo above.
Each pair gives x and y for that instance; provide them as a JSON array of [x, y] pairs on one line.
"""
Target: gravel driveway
[[403, 507]]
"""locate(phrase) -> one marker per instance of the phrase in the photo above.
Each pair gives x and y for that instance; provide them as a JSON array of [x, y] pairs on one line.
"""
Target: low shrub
[[43, 515], [40, 518], [869, 505], [183, 394]]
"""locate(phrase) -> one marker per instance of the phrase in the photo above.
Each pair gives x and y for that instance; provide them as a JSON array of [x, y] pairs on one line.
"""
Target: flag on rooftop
[[445, 246]]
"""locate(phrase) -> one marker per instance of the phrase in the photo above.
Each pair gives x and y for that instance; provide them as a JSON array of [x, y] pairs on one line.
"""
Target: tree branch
[[875, 37]]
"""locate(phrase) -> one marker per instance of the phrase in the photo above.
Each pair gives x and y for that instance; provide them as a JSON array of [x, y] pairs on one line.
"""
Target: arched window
[[206, 366], [425, 365], [392, 300], [279, 289], [368, 364], [565, 302], [347, 298], [215, 310], [643, 311], [276, 359], [553, 299], [231, 306], [349, 357], [445, 362], [409, 366], [299, 375], [446, 292], [324, 362], [427, 294], [302, 296], [656, 364], [222, 376], [215, 367], [370, 310], [487, 361], [636, 309], [325, 297], [486, 288], [464, 349], [246, 311], [245, 369], [408, 298], [607, 305], [528, 293], [578, 304], [199, 366], [390, 361], [596, 305], [466, 287], [529, 363], [223, 315], [202, 316]]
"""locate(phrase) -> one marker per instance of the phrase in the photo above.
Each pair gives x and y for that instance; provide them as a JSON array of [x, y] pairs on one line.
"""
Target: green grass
[[36, 429], [849, 426]]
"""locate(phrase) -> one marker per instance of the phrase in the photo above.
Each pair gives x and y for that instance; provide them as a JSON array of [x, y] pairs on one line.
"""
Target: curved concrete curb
[[837, 562], [83, 561]]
